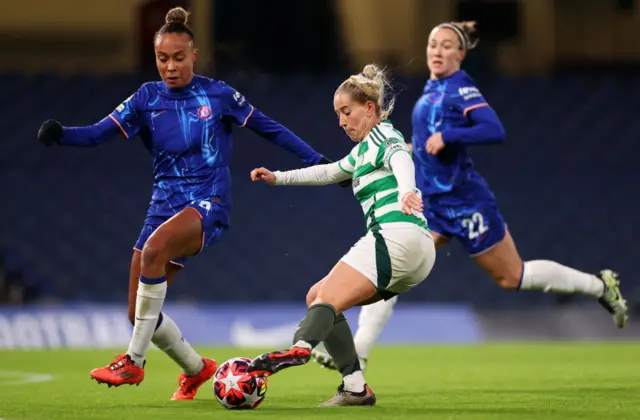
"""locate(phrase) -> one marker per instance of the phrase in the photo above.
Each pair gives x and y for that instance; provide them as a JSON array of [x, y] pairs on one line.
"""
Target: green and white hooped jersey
[[374, 184]]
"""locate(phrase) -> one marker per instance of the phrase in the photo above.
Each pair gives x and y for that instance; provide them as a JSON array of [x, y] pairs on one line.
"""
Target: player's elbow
[[498, 134]]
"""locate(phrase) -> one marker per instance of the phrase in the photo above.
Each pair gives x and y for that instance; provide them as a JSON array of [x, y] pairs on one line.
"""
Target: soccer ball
[[234, 388]]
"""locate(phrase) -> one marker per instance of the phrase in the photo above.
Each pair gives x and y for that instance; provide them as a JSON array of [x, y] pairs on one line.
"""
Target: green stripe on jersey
[[380, 157], [365, 169], [375, 185], [389, 199], [363, 148], [398, 216], [375, 138], [376, 130], [380, 185]]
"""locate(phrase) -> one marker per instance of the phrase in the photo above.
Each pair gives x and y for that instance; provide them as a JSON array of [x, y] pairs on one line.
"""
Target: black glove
[[50, 133], [344, 184]]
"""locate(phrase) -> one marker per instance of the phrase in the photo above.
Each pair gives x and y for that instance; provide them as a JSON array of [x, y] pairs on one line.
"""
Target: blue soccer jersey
[[458, 201], [189, 134], [444, 105]]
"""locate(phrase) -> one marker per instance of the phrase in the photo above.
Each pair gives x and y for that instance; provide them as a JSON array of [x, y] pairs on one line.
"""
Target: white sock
[[303, 344], [168, 338], [354, 382], [371, 322], [549, 276], [149, 302]]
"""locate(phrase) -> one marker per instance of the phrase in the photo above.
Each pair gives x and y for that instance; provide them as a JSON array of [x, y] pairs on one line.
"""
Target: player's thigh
[[134, 276], [178, 237], [147, 230], [502, 262], [344, 287]]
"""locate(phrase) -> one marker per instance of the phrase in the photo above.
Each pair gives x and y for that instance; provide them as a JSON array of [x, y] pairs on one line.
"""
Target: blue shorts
[[212, 227], [478, 227]]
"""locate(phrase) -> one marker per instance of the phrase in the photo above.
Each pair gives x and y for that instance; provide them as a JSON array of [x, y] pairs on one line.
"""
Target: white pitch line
[[22, 378]]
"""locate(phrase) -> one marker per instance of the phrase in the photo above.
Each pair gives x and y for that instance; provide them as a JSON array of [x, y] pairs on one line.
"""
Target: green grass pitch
[[492, 381]]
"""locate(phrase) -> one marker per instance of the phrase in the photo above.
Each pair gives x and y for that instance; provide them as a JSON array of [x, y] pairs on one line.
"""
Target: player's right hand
[[411, 202], [50, 133], [263, 174]]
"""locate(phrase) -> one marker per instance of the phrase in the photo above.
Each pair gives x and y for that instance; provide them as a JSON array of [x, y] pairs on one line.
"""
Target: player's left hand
[[411, 202], [263, 174], [434, 144]]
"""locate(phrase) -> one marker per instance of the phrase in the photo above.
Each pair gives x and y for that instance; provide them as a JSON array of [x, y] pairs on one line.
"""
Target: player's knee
[[311, 296], [316, 297], [328, 299], [153, 255]]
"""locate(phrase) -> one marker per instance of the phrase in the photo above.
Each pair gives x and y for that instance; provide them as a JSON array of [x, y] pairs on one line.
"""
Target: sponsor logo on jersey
[[469, 92]]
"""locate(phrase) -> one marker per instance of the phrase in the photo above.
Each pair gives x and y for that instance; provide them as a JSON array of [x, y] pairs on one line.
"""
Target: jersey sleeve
[[469, 98], [348, 163], [235, 106], [389, 148], [127, 115]]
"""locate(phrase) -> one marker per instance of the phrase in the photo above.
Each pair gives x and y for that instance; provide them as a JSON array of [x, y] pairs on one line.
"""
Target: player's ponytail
[[470, 30], [176, 23], [371, 85]]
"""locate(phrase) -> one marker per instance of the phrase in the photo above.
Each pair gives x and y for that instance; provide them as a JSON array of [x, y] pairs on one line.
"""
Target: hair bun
[[470, 29], [371, 85], [373, 72], [177, 15]]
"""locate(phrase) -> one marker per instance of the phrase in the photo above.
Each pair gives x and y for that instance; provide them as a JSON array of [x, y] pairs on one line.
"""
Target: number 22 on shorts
[[475, 225]]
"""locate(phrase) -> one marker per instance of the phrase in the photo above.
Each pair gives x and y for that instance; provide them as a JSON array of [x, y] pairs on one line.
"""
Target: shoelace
[[118, 364]]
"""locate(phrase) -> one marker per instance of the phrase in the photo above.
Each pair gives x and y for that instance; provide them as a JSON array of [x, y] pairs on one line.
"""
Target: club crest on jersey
[[204, 112], [436, 96]]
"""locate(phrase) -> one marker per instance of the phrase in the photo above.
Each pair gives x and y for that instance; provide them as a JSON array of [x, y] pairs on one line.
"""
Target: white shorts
[[396, 258]]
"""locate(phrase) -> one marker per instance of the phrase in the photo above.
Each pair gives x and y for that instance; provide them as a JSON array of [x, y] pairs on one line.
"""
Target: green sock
[[339, 344], [316, 325]]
